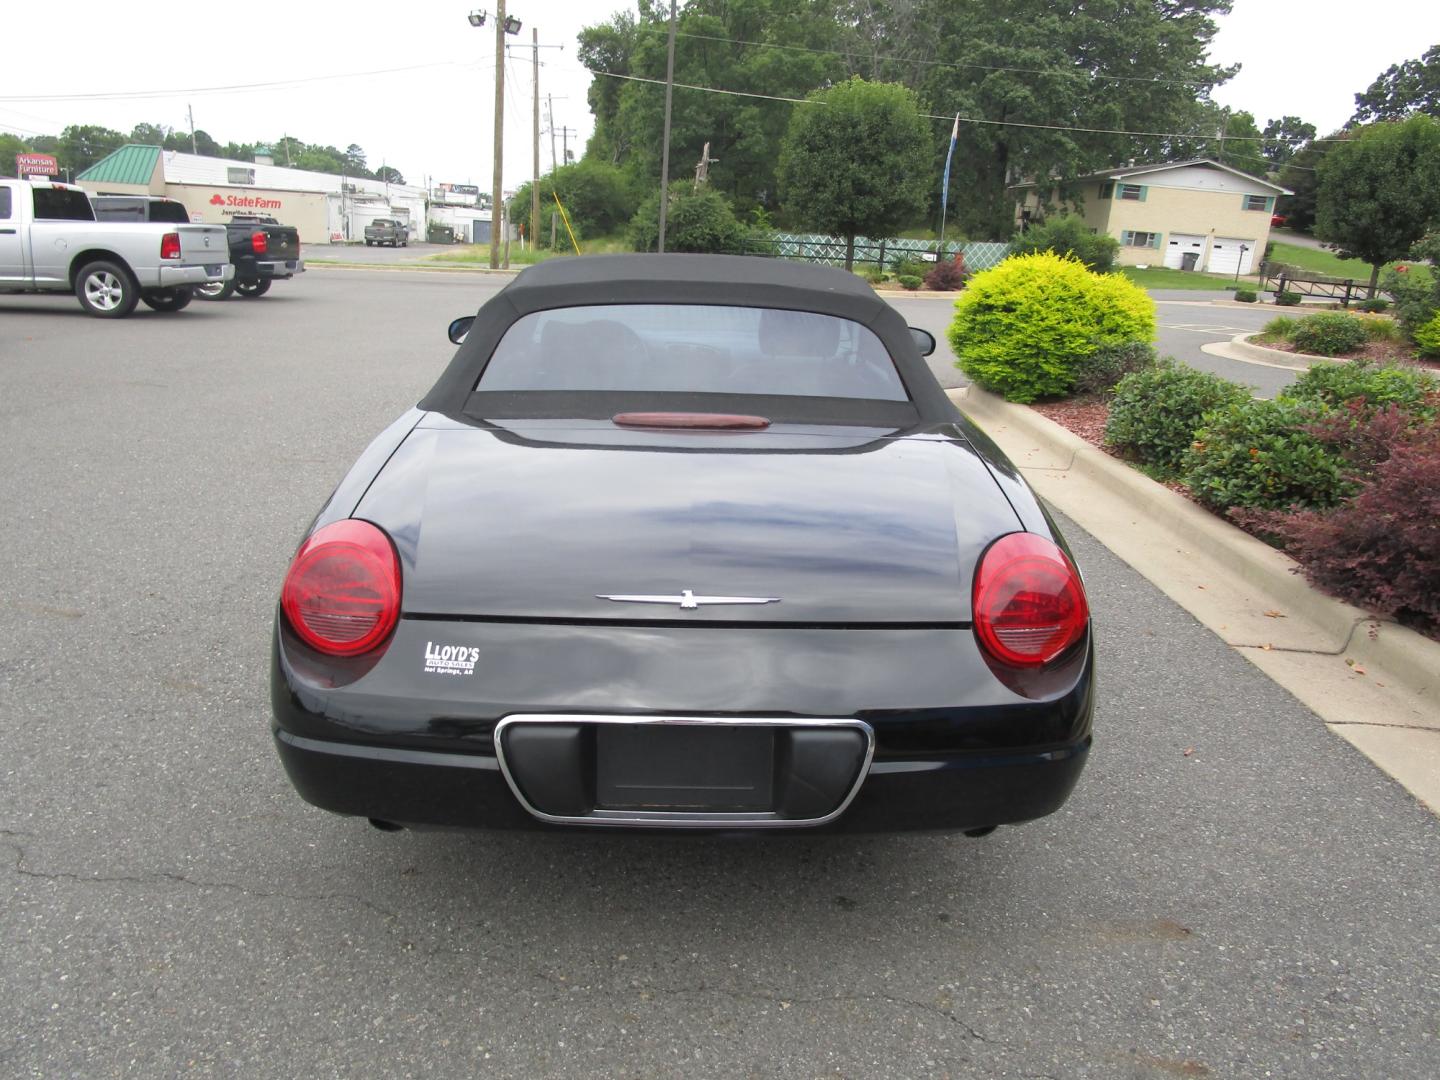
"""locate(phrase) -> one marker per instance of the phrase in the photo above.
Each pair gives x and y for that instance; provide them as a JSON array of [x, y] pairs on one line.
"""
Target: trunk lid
[[847, 529], [205, 244]]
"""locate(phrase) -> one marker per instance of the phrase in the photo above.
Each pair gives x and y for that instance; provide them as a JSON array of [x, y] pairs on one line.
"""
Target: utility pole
[[702, 167], [565, 143], [665, 145], [496, 188], [550, 102], [534, 226], [191, 111]]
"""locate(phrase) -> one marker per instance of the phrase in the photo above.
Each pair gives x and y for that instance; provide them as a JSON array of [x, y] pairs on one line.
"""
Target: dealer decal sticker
[[450, 659]]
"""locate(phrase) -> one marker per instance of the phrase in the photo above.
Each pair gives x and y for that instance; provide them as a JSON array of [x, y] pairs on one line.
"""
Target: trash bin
[[1188, 260]]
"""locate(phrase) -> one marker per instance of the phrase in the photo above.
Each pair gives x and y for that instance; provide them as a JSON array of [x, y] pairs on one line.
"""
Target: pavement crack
[[164, 877]]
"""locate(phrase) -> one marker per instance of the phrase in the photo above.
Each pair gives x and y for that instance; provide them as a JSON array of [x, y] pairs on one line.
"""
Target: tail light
[[170, 246], [342, 593], [1029, 605], [258, 243]]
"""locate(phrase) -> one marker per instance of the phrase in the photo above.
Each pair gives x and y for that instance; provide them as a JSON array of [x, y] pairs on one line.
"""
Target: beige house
[[1188, 215]]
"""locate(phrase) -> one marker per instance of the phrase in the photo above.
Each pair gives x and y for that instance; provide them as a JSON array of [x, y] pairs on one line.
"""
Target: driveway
[[1232, 891]]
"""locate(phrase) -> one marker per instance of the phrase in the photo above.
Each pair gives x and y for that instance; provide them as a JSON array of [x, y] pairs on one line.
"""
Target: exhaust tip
[[386, 826]]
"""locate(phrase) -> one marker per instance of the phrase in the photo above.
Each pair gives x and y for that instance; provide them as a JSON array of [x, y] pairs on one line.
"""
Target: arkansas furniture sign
[[36, 165]]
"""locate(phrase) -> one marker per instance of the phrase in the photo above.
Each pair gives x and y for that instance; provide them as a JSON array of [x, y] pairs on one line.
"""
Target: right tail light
[[1029, 605], [259, 243]]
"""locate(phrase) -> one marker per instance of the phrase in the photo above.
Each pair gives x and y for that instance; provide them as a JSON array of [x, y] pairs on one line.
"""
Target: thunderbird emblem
[[687, 599]]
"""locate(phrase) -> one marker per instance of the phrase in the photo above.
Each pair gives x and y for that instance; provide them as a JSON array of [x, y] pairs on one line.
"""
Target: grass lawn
[[479, 254], [1328, 264], [1162, 277]]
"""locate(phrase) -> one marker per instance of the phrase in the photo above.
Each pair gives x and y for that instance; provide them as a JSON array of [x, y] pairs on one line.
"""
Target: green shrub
[[695, 222], [1377, 385], [1416, 298], [1258, 454], [1107, 365], [910, 281], [1154, 413], [1329, 333], [904, 266], [1287, 299], [1246, 296], [1069, 235], [1428, 337], [1279, 328], [1381, 329], [1024, 328], [1375, 306], [874, 275]]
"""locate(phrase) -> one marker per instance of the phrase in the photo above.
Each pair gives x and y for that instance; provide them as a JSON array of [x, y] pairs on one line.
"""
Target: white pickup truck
[[51, 242]]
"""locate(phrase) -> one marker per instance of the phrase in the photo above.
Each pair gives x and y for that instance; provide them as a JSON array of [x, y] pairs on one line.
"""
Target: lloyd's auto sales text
[[232, 203]]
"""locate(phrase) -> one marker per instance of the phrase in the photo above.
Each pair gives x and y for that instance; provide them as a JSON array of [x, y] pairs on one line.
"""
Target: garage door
[[1227, 254], [1179, 246]]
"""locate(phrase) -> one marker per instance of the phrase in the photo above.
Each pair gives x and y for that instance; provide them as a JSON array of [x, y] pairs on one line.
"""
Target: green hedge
[[1154, 413]]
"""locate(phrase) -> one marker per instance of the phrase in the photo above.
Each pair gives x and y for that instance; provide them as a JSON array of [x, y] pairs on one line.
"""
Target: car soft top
[[721, 280]]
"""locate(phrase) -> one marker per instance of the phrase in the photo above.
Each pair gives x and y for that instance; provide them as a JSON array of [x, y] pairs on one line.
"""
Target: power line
[[976, 120], [851, 54], [125, 95]]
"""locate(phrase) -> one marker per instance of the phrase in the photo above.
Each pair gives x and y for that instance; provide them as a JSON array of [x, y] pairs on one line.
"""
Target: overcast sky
[[336, 66]]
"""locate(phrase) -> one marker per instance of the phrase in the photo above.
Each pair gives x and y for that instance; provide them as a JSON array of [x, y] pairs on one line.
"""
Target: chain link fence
[[811, 247]]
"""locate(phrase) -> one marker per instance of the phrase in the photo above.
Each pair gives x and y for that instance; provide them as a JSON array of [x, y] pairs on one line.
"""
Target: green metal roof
[[132, 164]]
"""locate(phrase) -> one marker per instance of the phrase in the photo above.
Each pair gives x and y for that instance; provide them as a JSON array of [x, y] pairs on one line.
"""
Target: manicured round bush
[[1258, 454], [909, 281], [1246, 296], [1154, 413], [1376, 385], [1329, 333], [1023, 328], [1287, 299]]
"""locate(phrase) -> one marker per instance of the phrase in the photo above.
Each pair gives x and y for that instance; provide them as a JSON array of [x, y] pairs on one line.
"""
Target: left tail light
[[1029, 605], [170, 246], [342, 592]]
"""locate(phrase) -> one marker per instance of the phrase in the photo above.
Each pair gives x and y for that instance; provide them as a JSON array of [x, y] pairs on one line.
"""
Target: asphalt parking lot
[[1232, 891]]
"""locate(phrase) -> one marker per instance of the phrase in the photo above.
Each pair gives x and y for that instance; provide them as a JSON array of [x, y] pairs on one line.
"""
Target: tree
[[389, 174], [1241, 146], [599, 199], [1300, 174], [1380, 192], [1284, 138], [149, 134], [10, 145], [1403, 90], [856, 161], [82, 145], [1069, 235]]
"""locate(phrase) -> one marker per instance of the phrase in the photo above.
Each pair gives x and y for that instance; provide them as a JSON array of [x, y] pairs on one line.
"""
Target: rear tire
[[215, 290], [106, 290], [253, 289], [168, 299]]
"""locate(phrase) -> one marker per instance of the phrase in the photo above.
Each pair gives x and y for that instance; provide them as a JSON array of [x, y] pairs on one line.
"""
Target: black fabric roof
[[729, 280]]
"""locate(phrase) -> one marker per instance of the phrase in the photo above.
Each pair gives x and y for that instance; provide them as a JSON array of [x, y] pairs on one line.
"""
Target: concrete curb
[[1356, 671], [328, 264], [1248, 350]]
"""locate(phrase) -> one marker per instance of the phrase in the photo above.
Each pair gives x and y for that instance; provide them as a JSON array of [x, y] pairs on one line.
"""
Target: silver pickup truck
[[51, 242]]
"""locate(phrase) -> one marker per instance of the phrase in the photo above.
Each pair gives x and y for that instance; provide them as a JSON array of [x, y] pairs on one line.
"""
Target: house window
[[240, 176], [1107, 190], [1140, 239], [1133, 192], [1264, 203]]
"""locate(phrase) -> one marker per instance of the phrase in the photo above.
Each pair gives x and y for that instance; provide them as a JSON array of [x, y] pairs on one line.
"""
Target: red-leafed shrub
[[1380, 549], [947, 276], [1364, 437]]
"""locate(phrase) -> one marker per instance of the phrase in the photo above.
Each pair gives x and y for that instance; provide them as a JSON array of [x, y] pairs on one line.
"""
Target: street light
[[512, 24], [477, 18], [504, 24]]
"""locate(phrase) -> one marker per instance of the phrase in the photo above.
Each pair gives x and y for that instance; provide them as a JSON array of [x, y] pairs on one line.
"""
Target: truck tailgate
[[203, 244]]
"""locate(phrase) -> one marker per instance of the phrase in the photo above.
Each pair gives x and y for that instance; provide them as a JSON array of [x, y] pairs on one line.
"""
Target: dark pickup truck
[[262, 250]]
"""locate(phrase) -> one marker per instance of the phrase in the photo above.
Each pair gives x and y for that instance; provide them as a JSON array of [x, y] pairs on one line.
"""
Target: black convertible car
[[684, 541]]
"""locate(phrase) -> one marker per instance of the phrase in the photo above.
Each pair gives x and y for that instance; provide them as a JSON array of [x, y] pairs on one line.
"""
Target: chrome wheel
[[105, 291]]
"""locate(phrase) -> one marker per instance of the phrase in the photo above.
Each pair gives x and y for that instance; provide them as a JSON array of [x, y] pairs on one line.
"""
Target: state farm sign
[[36, 165], [244, 202]]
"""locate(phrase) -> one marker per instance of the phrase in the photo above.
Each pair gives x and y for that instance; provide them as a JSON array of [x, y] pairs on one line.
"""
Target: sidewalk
[[1374, 683]]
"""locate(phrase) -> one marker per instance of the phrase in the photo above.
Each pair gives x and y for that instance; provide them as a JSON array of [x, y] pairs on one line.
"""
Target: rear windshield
[[688, 347], [62, 204], [172, 212]]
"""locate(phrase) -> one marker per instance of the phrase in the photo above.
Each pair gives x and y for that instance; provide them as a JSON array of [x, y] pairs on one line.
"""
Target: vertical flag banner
[[945, 184]]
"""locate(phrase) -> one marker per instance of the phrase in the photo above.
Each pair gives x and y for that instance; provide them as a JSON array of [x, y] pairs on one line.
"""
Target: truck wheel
[[369, 243], [215, 290], [106, 290], [168, 299], [252, 289]]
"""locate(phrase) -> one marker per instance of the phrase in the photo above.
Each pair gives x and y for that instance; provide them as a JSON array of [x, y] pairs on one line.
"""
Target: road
[[1232, 892]]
